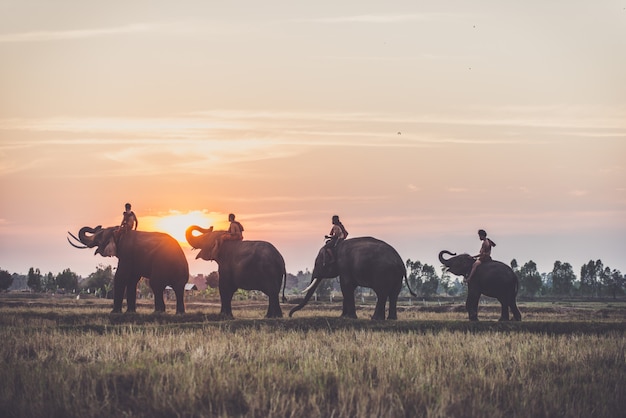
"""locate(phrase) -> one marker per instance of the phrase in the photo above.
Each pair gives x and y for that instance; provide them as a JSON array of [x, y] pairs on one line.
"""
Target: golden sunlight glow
[[176, 223]]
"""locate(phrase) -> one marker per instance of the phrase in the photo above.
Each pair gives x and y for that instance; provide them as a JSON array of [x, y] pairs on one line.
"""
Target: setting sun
[[176, 223]]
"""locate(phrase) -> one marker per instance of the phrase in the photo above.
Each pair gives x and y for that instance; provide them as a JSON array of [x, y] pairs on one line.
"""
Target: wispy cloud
[[383, 18], [58, 35]]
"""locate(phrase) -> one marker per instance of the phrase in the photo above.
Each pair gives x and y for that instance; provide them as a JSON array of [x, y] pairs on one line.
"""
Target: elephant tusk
[[310, 286], [76, 246]]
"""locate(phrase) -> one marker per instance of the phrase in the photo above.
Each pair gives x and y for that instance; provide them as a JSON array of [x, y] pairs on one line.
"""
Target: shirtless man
[[129, 220], [485, 252], [234, 233]]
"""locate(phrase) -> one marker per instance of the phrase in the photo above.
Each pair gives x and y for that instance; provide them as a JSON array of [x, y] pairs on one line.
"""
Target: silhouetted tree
[[67, 280], [34, 280], [562, 278], [422, 278], [616, 283], [49, 283], [213, 280], [99, 279], [6, 280], [529, 279]]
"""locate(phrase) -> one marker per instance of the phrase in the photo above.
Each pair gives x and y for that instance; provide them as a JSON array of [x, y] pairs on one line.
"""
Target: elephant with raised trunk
[[366, 262], [153, 255], [249, 265], [492, 278]]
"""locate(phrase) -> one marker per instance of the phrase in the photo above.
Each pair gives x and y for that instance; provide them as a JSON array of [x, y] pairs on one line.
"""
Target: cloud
[[382, 18], [61, 35]]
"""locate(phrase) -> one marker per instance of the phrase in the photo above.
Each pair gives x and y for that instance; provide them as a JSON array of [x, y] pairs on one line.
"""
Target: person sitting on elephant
[[484, 254], [234, 233], [129, 220], [337, 233]]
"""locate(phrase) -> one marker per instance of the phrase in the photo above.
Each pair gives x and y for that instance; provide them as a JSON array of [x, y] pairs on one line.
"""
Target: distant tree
[[514, 264], [325, 288], [616, 283], [422, 278], [6, 280], [605, 279], [562, 278], [590, 282], [67, 280], [49, 283], [213, 280], [530, 279], [34, 280], [99, 279]]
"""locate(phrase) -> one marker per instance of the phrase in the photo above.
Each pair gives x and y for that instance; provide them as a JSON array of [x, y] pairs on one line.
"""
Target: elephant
[[153, 255], [362, 261], [249, 265], [492, 278]]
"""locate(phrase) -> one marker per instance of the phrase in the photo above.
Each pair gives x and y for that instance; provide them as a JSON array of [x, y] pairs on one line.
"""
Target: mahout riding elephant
[[249, 265], [153, 255], [491, 278], [363, 261]]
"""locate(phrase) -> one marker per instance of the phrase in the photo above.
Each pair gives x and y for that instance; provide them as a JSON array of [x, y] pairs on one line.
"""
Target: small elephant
[[492, 278]]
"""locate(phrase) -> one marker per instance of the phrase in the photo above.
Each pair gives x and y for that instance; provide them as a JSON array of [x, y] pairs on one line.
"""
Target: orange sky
[[416, 123]]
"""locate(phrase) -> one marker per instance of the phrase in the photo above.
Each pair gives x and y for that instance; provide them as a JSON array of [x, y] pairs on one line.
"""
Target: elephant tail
[[406, 280], [284, 283]]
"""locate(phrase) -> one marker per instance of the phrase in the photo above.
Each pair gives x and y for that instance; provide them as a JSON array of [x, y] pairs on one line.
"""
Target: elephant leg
[[349, 306], [393, 306], [504, 313], [381, 301], [471, 304], [180, 299], [517, 315], [274, 310], [159, 302], [226, 297], [131, 295], [118, 293]]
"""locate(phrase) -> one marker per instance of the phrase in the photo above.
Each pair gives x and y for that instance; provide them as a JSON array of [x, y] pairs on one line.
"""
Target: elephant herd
[[258, 265]]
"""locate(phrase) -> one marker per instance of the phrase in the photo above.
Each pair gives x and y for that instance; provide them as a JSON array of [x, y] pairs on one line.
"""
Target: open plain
[[63, 357]]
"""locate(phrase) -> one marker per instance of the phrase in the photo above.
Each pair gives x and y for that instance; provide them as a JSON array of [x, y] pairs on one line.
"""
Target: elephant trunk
[[88, 240], [309, 293], [196, 241], [443, 260]]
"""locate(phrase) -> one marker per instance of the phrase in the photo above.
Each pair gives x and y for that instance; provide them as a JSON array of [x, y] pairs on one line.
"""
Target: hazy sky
[[417, 122]]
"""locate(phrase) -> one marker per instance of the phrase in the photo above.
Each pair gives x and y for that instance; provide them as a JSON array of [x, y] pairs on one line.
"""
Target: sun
[[176, 223]]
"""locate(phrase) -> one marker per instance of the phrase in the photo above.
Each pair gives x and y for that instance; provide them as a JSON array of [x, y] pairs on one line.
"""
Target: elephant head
[[459, 265], [102, 238], [204, 242]]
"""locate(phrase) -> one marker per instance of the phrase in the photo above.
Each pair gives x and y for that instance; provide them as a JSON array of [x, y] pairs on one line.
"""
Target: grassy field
[[71, 358]]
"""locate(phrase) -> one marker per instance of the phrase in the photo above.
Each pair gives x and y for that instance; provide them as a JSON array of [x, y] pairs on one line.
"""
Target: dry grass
[[71, 358]]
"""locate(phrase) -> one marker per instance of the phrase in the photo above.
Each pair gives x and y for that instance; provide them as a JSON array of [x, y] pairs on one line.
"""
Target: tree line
[[595, 280]]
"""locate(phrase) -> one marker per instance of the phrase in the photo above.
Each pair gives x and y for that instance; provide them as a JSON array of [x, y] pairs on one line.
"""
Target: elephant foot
[[473, 318], [226, 316], [350, 316], [503, 319]]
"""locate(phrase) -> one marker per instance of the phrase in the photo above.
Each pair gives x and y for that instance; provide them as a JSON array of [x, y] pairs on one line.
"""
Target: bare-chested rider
[[484, 254]]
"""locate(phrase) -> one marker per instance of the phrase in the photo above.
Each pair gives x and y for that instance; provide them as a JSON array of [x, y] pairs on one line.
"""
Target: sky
[[417, 122]]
